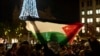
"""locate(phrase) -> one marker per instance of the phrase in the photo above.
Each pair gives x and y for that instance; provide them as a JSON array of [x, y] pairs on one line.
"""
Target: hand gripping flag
[[48, 31]]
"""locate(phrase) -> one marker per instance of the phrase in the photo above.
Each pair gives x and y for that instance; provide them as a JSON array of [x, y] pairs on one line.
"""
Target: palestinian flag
[[45, 22], [48, 31]]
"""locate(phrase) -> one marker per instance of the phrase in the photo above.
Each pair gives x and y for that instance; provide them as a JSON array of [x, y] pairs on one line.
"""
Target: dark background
[[67, 10]]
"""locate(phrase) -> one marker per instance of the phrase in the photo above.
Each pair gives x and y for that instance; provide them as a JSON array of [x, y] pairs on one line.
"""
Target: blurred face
[[17, 46]]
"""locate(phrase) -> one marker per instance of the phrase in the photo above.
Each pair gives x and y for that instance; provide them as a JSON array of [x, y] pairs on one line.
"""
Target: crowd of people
[[89, 47]]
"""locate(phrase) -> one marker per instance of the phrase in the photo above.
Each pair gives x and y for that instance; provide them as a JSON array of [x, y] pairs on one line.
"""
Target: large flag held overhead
[[48, 31], [38, 11]]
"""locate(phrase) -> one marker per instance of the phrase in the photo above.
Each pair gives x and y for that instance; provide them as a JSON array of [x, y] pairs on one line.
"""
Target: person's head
[[24, 49], [15, 45], [25, 43]]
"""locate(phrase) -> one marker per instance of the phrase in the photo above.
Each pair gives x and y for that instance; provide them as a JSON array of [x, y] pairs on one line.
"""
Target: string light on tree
[[28, 9]]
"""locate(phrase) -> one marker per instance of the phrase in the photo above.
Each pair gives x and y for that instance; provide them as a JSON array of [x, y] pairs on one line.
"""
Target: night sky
[[67, 10]]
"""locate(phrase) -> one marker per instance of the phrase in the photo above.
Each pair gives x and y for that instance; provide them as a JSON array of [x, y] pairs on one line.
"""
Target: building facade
[[90, 14]]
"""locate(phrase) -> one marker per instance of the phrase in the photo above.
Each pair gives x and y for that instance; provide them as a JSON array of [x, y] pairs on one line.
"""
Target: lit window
[[83, 12], [14, 40], [98, 29], [97, 20], [89, 12], [89, 20], [83, 29], [97, 11], [83, 20]]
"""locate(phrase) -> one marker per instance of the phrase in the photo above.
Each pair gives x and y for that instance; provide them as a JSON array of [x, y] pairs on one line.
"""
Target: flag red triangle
[[71, 30]]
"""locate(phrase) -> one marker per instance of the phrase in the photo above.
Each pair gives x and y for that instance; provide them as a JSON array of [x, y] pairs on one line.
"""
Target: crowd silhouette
[[89, 47]]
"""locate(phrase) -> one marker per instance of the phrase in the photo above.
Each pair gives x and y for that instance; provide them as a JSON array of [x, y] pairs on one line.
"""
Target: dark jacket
[[95, 46]]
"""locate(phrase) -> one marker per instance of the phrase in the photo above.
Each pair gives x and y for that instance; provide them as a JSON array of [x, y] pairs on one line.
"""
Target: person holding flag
[[48, 31]]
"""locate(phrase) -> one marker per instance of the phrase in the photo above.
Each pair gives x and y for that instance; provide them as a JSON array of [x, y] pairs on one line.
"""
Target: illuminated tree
[[28, 9]]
